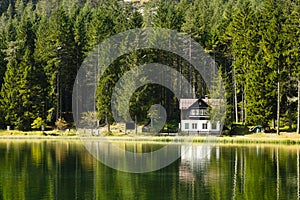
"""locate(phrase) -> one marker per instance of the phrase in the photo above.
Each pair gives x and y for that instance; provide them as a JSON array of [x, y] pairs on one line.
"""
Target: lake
[[56, 169]]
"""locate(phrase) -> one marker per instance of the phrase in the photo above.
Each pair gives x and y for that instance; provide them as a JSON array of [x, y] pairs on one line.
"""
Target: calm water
[[65, 170]]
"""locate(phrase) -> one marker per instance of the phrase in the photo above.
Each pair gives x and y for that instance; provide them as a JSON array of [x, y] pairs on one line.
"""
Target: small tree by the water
[[38, 123]]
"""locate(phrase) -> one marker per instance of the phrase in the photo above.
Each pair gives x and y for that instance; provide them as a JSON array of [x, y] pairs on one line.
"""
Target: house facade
[[195, 117]]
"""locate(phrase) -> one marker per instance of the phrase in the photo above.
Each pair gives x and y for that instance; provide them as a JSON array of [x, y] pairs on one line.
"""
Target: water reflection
[[65, 170], [135, 157], [298, 174]]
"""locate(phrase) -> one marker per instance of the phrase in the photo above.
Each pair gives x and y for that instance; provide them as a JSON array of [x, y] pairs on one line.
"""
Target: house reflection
[[195, 158]]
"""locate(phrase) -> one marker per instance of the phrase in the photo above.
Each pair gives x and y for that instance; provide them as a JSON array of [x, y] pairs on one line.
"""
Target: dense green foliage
[[43, 43]]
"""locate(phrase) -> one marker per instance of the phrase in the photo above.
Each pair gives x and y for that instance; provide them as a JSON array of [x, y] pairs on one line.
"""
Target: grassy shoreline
[[257, 138]]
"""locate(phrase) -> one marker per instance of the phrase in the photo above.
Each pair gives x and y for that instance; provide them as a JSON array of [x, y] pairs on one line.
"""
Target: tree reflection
[[65, 170]]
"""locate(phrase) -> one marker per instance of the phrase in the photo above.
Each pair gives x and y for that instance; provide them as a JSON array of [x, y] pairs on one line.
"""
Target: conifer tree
[[2, 56], [9, 100], [291, 34], [243, 36], [22, 93], [55, 52], [272, 45]]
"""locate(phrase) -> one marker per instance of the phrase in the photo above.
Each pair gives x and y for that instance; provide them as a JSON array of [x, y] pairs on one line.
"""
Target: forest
[[255, 43]]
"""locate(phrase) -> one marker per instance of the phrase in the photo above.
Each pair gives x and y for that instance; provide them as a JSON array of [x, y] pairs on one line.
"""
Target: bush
[[61, 124], [239, 129], [38, 123]]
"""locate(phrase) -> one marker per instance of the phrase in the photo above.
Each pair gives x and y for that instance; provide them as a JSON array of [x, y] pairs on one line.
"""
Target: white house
[[195, 116]]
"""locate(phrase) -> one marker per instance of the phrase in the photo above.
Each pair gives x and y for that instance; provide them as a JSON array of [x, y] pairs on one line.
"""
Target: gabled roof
[[188, 103], [213, 102]]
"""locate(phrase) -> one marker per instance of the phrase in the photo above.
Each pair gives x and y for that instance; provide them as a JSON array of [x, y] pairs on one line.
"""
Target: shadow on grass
[[237, 129]]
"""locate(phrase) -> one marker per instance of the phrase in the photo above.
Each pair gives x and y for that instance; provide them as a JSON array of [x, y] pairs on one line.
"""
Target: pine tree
[[55, 52], [3, 62], [10, 103], [272, 45], [9, 54], [102, 25], [19, 8], [249, 65], [291, 34], [31, 92], [22, 91], [108, 20], [197, 22]]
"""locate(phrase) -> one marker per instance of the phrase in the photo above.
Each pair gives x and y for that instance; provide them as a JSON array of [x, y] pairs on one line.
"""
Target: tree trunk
[[298, 175], [108, 124], [277, 175], [243, 108], [298, 117], [245, 105], [108, 128], [290, 117], [235, 98], [190, 66], [58, 103], [290, 108], [278, 101], [235, 175]]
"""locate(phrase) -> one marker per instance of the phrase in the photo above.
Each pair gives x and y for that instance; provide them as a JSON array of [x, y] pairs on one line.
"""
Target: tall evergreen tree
[[55, 52], [10, 104], [272, 44], [25, 98], [3, 62]]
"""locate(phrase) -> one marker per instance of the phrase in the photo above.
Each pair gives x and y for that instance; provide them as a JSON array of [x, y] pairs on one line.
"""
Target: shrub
[[38, 123], [61, 124]]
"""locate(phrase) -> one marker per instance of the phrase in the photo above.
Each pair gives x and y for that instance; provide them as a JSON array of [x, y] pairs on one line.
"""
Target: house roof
[[213, 102], [187, 103]]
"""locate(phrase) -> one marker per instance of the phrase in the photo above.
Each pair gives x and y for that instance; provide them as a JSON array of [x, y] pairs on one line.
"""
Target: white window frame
[[186, 125], [213, 126], [194, 126]]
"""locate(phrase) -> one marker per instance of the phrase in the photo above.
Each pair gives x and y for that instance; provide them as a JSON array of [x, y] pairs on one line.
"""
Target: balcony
[[196, 113]]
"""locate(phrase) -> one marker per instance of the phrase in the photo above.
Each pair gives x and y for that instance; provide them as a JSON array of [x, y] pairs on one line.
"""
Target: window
[[204, 126], [214, 126], [203, 112], [198, 112], [194, 112], [194, 126], [186, 126]]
